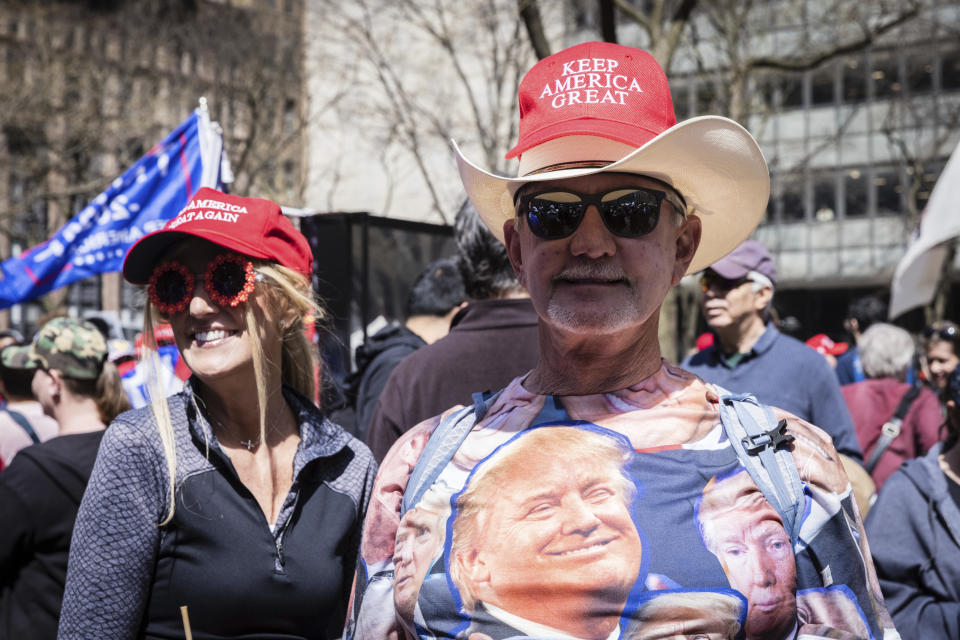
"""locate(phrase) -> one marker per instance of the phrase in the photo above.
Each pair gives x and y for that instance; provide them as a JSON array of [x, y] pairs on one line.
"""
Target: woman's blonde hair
[[289, 293]]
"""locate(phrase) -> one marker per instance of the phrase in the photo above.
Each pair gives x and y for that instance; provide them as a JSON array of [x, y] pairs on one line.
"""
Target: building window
[[920, 73], [855, 192], [950, 70], [821, 85], [792, 95], [928, 180], [791, 198], [854, 81], [883, 75], [85, 294], [289, 115], [766, 92], [886, 179], [824, 196]]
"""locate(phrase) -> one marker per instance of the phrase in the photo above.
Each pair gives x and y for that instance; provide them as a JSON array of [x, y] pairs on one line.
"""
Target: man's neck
[[78, 415], [429, 328], [577, 365], [740, 338]]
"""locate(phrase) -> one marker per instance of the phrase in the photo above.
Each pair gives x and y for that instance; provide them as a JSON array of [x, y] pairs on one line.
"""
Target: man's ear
[[474, 567], [762, 298], [511, 238], [687, 242], [55, 382]]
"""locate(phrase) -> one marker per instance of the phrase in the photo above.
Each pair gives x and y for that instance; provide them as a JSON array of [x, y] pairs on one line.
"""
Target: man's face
[[757, 556], [419, 540], [593, 281], [559, 542], [729, 303]]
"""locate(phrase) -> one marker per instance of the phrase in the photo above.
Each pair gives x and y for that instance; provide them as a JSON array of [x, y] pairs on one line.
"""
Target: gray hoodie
[[914, 534]]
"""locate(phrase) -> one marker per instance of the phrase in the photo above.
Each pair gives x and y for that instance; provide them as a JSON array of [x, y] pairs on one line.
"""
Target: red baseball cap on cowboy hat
[[602, 107], [253, 227]]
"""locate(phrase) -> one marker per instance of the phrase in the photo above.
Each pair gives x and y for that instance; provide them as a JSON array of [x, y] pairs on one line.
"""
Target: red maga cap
[[595, 89], [823, 344], [253, 227]]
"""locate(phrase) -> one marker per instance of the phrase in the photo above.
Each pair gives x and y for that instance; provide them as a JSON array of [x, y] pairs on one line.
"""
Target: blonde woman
[[233, 507]]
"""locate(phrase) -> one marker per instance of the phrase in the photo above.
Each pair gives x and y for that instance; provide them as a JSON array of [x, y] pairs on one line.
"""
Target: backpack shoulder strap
[[760, 442], [442, 445], [891, 428], [21, 420]]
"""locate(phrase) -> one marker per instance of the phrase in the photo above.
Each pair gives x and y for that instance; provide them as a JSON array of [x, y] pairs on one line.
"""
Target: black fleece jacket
[[40, 493]]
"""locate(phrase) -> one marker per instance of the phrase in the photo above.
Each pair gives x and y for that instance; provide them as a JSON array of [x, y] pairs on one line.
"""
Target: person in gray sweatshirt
[[914, 534]]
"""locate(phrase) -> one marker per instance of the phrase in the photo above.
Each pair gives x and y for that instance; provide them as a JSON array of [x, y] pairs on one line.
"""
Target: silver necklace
[[249, 445]]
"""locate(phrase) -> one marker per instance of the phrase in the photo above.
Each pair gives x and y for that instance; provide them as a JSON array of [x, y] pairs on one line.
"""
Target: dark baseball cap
[[73, 347], [749, 256]]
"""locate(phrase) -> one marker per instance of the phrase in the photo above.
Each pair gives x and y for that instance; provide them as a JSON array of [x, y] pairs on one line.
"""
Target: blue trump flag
[[142, 200]]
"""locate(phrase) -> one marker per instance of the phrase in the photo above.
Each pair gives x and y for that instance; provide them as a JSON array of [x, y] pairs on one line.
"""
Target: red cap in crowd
[[823, 344], [595, 89], [253, 227]]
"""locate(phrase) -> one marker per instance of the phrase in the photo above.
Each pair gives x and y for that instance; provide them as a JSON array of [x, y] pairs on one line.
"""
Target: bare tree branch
[[530, 13], [814, 60], [608, 22]]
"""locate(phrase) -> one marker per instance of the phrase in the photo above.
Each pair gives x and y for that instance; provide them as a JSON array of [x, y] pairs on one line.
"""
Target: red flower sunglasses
[[229, 280]]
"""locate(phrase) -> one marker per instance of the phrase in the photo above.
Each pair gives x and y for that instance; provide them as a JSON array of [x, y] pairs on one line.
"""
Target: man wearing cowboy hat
[[614, 203]]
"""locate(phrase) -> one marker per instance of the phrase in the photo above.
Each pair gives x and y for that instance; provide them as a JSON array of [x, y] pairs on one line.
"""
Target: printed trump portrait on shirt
[[543, 538]]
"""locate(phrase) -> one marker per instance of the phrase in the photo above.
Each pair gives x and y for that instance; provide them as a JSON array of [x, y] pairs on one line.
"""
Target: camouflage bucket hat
[[75, 348]]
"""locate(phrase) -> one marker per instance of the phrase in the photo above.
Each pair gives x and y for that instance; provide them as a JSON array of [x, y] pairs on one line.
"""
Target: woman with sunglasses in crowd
[[914, 533], [233, 508], [941, 342]]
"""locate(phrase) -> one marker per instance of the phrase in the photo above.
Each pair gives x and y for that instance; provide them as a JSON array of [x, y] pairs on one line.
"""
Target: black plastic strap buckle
[[774, 438]]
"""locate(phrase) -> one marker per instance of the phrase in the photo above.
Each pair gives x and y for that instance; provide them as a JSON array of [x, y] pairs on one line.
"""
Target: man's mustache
[[604, 271]]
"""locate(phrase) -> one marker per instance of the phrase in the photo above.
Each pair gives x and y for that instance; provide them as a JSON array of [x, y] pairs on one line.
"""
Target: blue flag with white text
[[143, 199]]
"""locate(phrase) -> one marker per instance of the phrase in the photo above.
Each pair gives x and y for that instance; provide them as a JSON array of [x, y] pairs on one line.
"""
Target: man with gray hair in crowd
[[751, 356], [887, 439]]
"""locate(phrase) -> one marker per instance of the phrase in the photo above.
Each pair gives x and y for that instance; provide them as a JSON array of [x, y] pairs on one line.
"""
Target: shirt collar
[[765, 343], [762, 345], [535, 629]]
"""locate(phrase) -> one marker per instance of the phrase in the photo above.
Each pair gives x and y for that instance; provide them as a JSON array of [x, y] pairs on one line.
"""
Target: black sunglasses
[[948, 332], [711, 280], [628, 212]]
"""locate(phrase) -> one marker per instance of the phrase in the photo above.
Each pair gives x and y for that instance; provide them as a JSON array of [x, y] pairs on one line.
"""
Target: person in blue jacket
[[914, 534]]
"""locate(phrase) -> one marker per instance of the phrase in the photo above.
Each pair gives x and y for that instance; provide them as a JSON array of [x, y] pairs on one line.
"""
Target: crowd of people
[[544, 471]]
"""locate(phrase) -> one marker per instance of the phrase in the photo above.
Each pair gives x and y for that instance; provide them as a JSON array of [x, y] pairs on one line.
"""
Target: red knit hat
[[253, 227]]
